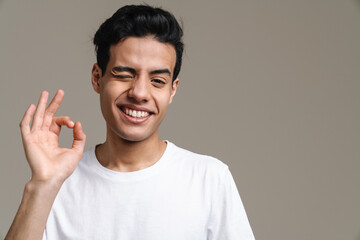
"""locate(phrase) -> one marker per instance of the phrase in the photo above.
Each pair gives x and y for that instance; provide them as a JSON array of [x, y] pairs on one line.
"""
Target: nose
[[140, 89]]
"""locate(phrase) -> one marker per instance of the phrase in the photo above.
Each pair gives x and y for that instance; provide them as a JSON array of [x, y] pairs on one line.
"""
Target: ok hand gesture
[[48, 161]]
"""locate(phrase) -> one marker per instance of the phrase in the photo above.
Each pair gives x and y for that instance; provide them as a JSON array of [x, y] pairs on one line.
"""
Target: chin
[[134, 137]]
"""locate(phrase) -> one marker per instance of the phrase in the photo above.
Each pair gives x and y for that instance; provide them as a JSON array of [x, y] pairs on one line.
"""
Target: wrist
[[50, 187]]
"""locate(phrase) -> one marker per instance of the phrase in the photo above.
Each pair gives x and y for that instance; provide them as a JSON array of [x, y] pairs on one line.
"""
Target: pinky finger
[[25, 122]]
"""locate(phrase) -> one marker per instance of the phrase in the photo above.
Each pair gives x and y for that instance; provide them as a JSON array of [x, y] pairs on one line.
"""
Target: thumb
[[79, 137]]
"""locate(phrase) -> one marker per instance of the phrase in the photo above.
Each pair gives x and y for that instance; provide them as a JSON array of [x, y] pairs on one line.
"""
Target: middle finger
[[52, 108]]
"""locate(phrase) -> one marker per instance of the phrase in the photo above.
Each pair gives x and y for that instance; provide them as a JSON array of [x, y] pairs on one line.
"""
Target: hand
[[48, 161]]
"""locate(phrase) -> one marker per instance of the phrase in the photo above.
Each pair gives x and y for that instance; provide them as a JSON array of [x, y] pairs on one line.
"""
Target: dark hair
[[138, 21]]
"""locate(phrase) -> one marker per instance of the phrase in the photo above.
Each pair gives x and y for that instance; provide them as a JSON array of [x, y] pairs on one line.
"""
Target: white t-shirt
[[183, 196]]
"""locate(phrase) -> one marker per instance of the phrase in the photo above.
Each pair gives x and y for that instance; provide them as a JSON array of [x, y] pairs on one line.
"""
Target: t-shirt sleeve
[[228, 219], [44, 235]]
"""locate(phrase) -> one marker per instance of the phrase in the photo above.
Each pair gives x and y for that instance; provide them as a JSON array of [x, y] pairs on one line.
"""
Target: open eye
[[158, 82]]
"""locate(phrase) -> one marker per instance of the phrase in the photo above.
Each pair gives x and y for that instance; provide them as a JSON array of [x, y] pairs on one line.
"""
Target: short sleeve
[[44, 235], [228, 219]]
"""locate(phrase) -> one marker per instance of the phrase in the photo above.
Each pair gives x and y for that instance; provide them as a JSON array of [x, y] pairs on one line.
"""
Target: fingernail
[[72, 123]]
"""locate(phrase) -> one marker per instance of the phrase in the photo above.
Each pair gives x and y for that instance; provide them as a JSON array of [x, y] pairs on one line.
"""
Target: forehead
[[145, 53]]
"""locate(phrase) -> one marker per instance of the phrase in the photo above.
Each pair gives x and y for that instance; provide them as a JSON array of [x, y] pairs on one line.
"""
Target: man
[[134, 185]]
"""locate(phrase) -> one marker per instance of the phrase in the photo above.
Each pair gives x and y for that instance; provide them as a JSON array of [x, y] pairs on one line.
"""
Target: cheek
[[107, 96], [163, 102], [112, 90]]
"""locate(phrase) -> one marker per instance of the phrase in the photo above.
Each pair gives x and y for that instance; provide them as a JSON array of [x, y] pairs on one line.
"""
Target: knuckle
[[49, 112]]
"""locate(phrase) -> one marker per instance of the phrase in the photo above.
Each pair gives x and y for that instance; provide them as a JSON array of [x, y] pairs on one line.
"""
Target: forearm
[[30, 220]]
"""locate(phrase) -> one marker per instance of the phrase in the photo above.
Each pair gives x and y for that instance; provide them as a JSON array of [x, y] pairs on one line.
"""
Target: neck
[[126, 156]]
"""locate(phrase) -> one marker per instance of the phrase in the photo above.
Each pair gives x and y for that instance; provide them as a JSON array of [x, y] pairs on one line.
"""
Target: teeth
[[135, 114]]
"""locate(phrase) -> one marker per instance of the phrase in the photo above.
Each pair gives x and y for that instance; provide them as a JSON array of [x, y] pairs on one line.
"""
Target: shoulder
[[198, 162], [87, 158], [86, 165]]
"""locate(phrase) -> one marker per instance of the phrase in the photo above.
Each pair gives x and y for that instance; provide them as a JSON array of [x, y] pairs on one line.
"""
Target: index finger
[[52, 108]]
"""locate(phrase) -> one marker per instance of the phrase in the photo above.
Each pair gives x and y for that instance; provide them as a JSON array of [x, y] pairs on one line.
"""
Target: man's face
[[137, 87]]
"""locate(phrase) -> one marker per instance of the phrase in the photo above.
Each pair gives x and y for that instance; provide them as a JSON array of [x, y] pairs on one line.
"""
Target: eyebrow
[[123, 69], [161, 71], [133, 71]]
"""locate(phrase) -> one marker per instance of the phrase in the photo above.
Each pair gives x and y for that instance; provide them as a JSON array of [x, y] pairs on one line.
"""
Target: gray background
[[269, 87]]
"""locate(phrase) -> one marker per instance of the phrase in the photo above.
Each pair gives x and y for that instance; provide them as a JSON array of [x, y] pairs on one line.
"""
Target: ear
[[175, 85], [96, 77]]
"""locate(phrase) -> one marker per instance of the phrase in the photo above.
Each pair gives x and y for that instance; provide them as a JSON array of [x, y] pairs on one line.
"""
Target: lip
[[132, 119]]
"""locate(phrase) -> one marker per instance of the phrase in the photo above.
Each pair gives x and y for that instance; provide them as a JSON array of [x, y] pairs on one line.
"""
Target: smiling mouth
[[134, 113]]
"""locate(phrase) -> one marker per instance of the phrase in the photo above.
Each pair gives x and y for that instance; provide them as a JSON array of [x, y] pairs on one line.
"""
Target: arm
[[50, 165]]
